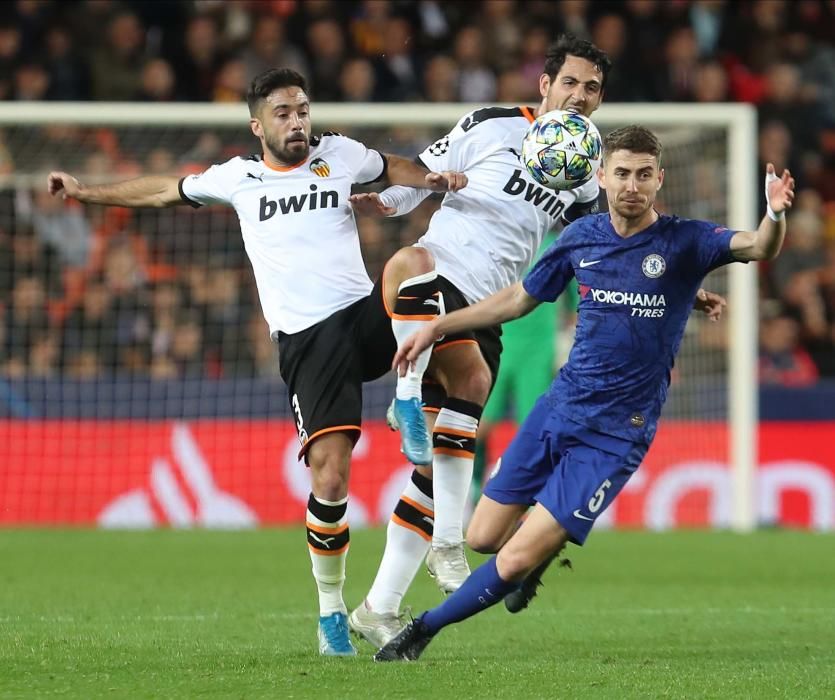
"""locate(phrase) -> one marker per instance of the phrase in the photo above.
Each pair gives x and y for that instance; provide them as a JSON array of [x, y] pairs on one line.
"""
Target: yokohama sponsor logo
[[607, 296]]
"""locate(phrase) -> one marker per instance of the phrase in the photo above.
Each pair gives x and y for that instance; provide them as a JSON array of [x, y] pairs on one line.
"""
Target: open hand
[[447, 181], [370, 204], [779, 190]]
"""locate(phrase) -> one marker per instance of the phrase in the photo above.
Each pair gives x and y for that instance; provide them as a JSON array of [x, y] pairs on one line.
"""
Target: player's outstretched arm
[[766, 241], [405, 172], [150, 191], [505, 305]]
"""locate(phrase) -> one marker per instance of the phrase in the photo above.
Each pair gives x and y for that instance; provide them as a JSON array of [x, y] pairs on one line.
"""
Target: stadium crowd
[[88, 292]]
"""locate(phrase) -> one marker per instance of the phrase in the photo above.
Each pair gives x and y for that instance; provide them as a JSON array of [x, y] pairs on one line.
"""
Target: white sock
[[408, 536], [453, 439], [418, 302], [328, 539]]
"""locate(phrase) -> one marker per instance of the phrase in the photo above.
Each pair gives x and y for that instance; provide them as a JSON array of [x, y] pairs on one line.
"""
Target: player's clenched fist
[[64, 183]]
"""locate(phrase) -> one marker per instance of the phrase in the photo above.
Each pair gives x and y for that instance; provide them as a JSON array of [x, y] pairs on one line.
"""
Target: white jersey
[[297, 226], [485, 236]]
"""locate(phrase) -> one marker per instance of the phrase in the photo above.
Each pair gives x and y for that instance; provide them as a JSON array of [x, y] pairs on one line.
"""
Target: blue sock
[[483, 589]]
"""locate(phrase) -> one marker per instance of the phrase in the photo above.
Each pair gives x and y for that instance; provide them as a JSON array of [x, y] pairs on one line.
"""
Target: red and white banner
[[236, 473]]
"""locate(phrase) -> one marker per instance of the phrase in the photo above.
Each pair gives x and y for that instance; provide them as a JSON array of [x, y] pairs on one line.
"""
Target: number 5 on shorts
[[599, 495]]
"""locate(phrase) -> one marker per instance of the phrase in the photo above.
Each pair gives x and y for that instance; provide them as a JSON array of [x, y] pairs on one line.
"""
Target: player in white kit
[[483, 238], [334, 328]]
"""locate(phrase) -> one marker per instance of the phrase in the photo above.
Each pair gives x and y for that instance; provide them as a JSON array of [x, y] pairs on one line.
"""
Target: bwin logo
[[538, 196], [296, 203]]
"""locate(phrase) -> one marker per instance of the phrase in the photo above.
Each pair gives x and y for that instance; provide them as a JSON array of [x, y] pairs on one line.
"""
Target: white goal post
[[740, 180]]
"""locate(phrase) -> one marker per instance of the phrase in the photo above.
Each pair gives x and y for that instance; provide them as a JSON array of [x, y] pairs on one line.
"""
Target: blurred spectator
[[610, 35], [158, 82], [125, 283], [785, 103], [27, 256], [357, 81], [532, 56], [782, 360], [166, 303], [675, 76], [268, 48], [44, 355], [187, 346], [368, 27], [440, 79], [325, 55], [31, 82], [116, 66], [226, 348], [710, 84], [9, 56], [63, 227], [231, 83], [397, 70], [476, 81], [499, 25], [512, 86], [68, 72], [199, 60], [89, 331], [574, 17], [25, 322], [803, 249], [707, 19]]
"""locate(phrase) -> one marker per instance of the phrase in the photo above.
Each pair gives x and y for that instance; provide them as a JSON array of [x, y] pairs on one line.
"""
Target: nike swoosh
[[432, 302], [583, 263], [578, 514]]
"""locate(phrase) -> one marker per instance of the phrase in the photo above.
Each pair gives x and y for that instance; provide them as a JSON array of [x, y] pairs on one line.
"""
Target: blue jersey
[[636, 294]]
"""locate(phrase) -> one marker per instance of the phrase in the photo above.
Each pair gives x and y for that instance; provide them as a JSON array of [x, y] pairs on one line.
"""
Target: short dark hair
[[273, 79], [570, 45], [635, 138]]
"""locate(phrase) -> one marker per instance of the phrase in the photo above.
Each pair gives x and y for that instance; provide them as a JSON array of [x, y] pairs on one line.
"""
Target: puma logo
[[324, 542], [457, 443], [260, 178]]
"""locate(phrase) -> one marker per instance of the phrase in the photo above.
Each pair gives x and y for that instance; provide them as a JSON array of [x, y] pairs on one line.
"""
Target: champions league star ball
[[562, 150]]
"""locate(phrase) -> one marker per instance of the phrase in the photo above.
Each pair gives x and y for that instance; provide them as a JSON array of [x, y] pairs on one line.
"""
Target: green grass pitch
[[195, 614]]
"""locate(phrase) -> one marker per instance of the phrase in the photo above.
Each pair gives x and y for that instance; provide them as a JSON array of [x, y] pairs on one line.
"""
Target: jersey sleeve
[[550, 276], [712, 245], [586, 202], [458, 150], [212, 186], [367, 164]]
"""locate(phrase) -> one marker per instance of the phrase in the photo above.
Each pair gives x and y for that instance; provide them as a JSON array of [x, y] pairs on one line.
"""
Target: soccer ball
[[562, 150]]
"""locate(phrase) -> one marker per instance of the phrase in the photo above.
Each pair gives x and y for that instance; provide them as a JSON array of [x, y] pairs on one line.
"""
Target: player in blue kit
[[638, 273]]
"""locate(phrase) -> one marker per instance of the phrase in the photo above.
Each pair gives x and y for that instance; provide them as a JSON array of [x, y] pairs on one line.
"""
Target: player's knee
[[513, 563], [472, 384], [482, 540], [329, 474], [330, 483], [412, 261]]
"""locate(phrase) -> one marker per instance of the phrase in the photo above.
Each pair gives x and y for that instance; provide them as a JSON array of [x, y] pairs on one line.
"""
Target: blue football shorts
[[571, 470]]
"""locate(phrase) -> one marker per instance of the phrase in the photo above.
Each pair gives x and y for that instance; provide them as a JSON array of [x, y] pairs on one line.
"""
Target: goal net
[[138, 384]]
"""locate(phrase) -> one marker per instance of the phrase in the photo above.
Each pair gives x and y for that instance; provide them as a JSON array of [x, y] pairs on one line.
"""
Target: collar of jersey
[[638, 234], [283, 168]]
